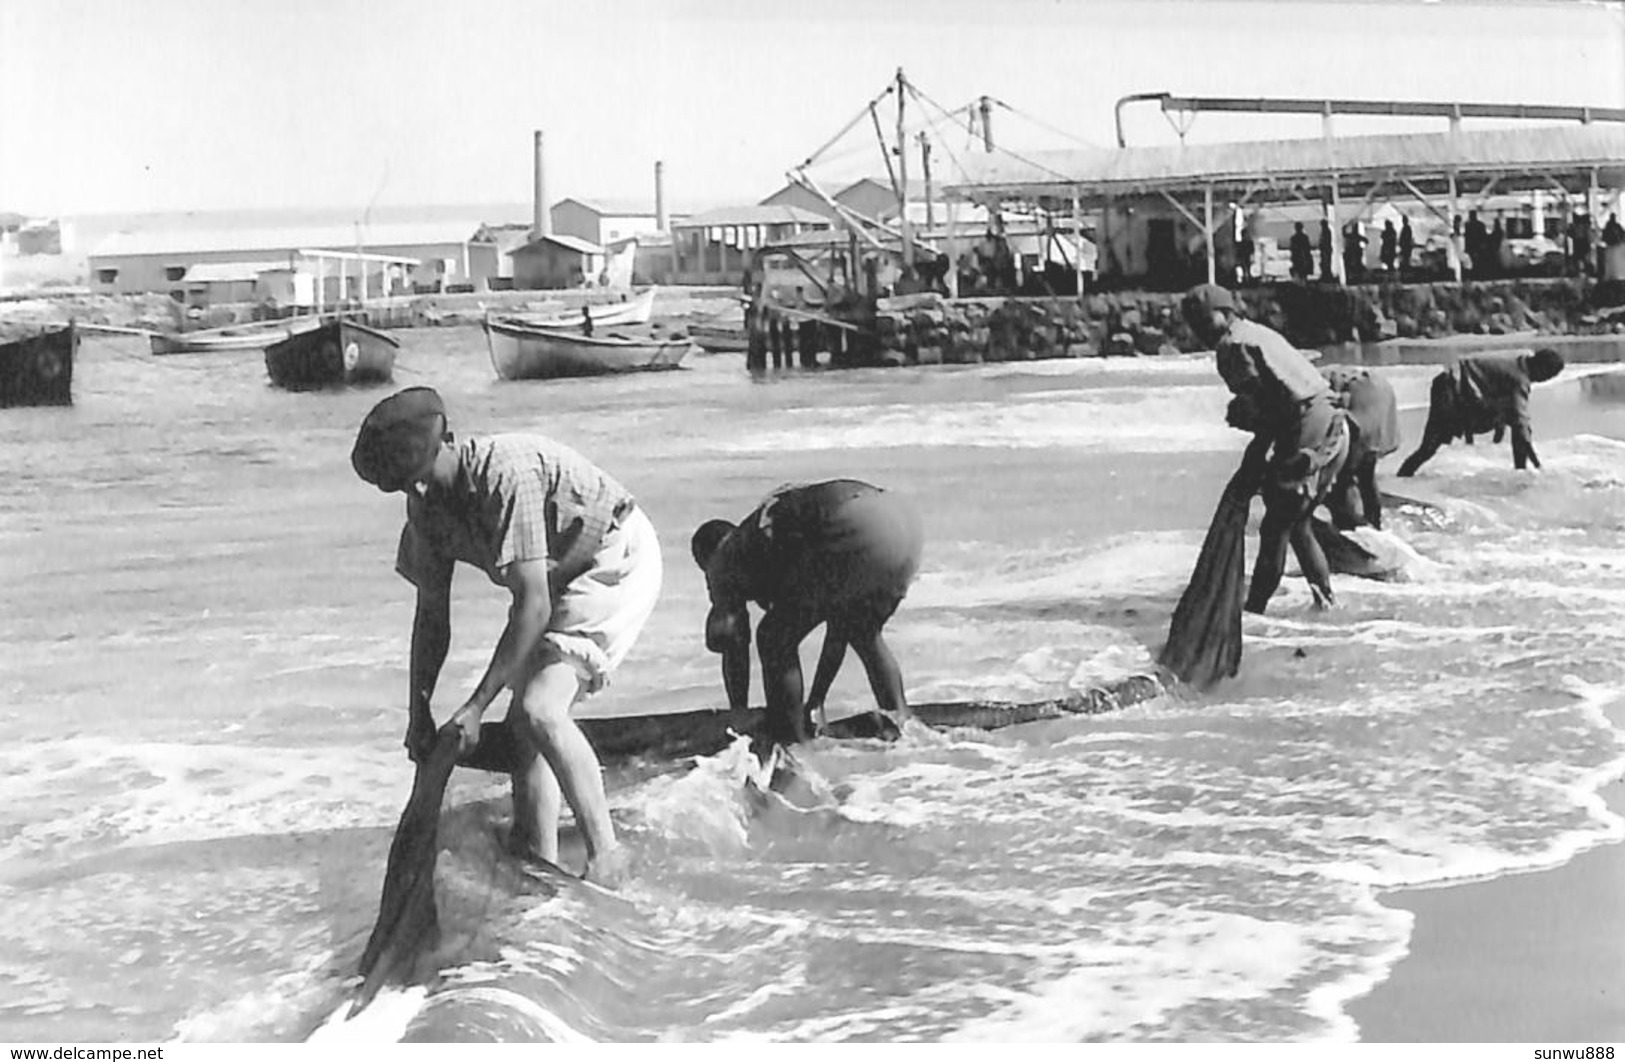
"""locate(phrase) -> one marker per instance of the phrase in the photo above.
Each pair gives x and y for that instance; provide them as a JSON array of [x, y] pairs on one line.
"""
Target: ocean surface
[[204, 675]]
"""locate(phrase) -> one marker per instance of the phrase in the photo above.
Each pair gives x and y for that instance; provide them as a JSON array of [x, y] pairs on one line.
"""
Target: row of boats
[[319, 352]]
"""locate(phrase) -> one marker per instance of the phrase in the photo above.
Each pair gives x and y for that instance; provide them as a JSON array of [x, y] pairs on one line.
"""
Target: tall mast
[[902, 175]]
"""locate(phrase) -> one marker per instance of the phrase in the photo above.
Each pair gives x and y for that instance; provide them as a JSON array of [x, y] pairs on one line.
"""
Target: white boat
[[526, 352], [255, 336], [634, 311]]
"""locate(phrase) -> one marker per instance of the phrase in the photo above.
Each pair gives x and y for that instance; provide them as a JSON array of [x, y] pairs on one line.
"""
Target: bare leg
[[1370, 496], [778, 640], [829, 665], [1279, 516], [1313, 562], [547, 699], [885, 677], [536, 798]]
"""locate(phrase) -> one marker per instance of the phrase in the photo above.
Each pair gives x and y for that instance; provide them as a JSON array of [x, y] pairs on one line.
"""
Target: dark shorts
[[852, 556]]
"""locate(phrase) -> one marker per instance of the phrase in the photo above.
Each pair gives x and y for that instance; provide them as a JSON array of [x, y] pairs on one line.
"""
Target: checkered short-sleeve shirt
[[515, 498]]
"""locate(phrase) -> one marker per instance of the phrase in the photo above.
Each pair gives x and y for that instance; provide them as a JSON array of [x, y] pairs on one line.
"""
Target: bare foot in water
[[609, 869]]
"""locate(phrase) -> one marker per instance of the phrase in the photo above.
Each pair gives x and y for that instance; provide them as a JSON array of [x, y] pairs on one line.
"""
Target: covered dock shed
[[1163, 206]]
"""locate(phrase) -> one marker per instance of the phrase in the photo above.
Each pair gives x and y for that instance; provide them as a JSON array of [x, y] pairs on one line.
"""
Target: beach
[[1550, 971]]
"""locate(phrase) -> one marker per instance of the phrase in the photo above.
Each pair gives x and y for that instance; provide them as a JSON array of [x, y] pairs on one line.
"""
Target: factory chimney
[[541, 224], [660, 196]]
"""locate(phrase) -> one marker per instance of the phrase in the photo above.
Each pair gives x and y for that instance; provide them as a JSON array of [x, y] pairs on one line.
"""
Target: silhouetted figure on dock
[[1303, 253], [1476, 237], [1388, 251], [1326, 246], [1494, 247], [1580, 244], [1407, 246], [1353, 254], [1613, 233], [1484, 393]]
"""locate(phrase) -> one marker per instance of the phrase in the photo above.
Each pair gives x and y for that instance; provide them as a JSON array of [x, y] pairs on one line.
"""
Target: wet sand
[[1528, 958]]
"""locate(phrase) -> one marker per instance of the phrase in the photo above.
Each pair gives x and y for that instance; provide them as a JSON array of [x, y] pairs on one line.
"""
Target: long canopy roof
[[1512, 159]]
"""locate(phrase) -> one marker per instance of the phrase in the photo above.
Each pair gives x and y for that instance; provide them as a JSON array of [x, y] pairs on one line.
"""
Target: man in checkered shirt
[[582, 564]]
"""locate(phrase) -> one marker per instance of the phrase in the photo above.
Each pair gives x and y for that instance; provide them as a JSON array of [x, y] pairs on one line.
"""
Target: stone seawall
[[930, 329]]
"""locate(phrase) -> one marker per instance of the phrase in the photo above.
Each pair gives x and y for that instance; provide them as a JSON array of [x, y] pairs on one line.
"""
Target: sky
[[111, 106]]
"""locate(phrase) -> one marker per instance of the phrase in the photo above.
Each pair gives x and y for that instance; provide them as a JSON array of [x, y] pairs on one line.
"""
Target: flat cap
[[398, 437]]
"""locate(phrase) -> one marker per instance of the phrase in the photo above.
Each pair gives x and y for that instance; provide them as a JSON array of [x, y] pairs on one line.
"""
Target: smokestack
[[541, 223], [660, 197]]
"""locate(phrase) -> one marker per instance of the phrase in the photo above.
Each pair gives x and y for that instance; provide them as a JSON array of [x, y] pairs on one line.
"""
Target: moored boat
[[719, 339], [255, 336], [332, 355], [37, 370], [526, 352], [634, 311]]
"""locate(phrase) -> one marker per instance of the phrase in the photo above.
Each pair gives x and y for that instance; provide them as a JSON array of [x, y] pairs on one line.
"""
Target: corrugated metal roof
[[224, 272], [756, 214], [1548, 149], [322, 237]]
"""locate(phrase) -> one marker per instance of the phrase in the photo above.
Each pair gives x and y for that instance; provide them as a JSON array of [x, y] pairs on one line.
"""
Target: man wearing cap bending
[[582, 565], [1300, 437], [1485, 393]]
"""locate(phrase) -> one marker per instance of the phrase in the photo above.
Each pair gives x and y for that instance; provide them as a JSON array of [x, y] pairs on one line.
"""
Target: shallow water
[[204, 689]]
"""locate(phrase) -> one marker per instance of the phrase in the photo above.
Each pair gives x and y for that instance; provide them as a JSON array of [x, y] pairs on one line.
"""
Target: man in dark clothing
[[1407, 246], [1475, 237], [1484, 393], [1303, 254], [1389, 248], [1613, 233], [1300, 438], [1326, 251], [842, 553], [1353, 253], [1373, 420], [1580, 243]]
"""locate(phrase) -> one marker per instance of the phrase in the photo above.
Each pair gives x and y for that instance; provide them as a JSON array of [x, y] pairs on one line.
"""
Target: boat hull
[[236, 337], [520, 352], [336, 354], [635, 311], [716, 339], [38, 370]]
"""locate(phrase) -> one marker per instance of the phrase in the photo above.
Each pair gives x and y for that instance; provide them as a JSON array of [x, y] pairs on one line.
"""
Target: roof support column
[[1338, 269], [952, 276], [1207, 231], [1077, 240], [1455, 238]]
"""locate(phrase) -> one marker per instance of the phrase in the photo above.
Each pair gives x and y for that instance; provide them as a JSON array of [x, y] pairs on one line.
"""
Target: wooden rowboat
[[254, 336], [331, 355], [37, 370], [634, 311], [525, 352], [720, 339]]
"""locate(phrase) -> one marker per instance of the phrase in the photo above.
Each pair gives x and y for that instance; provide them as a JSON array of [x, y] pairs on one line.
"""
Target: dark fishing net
[[1204, 638]]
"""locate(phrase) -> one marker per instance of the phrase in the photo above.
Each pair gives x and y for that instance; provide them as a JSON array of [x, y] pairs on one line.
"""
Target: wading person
[[1373, 423], [1484, 393], [842, 553], [581, 565], [1300, 438]]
